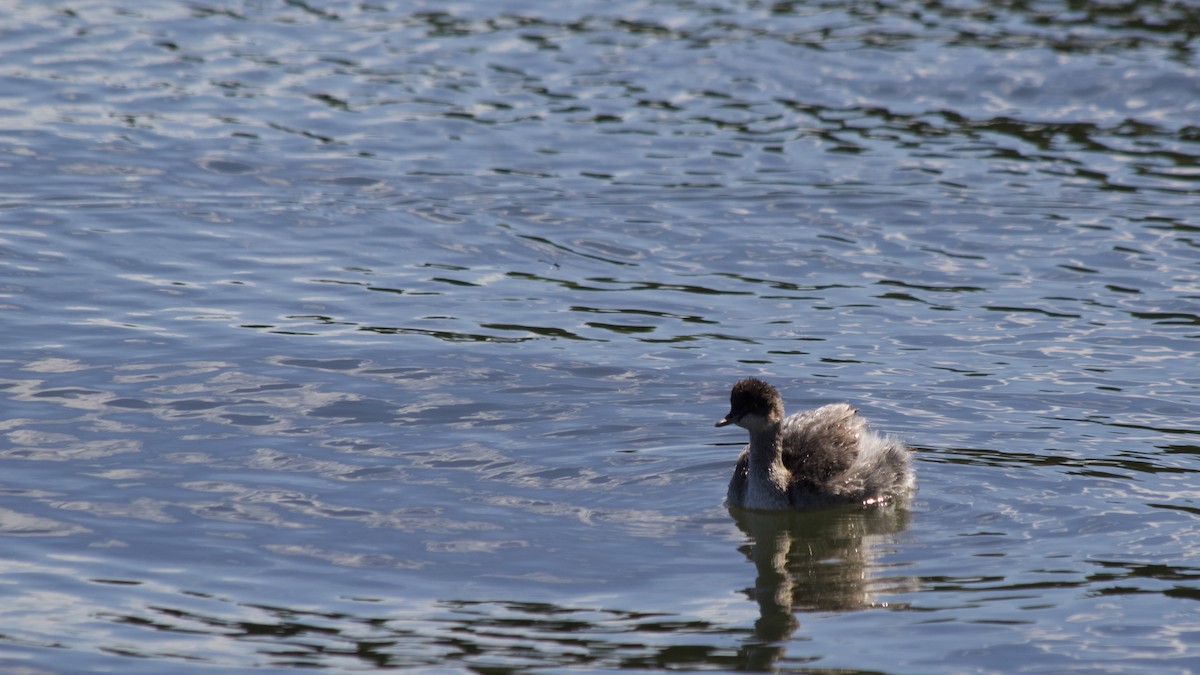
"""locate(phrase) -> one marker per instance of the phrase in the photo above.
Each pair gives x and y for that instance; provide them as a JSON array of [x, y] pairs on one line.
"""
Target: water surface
[[376, 335]]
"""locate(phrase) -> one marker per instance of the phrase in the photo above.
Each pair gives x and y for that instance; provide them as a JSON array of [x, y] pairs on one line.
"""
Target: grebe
[[816, 458]]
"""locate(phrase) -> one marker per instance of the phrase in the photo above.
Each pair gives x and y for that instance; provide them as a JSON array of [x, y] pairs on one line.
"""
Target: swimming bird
[[816, 458]]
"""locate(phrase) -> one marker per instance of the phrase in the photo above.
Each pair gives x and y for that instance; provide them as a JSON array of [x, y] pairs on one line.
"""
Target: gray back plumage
[[835, 457], [820, 444]]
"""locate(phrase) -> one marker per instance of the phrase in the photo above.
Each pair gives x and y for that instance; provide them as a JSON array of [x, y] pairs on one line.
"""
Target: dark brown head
[[752, 404]]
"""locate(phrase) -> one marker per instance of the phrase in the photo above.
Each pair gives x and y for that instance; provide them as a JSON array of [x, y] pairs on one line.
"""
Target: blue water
[[361, 336]]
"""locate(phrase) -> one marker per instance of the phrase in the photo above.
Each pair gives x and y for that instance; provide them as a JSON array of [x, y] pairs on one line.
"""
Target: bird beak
[[726, 421]]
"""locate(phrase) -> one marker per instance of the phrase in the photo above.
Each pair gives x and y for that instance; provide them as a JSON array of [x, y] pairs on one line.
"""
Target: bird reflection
[[811, 561]]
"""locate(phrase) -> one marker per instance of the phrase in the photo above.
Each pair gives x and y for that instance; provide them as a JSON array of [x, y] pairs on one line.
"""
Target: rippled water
[[376, 335]]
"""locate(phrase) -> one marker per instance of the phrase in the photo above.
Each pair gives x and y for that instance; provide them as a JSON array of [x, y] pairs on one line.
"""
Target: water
[[377, 335]]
